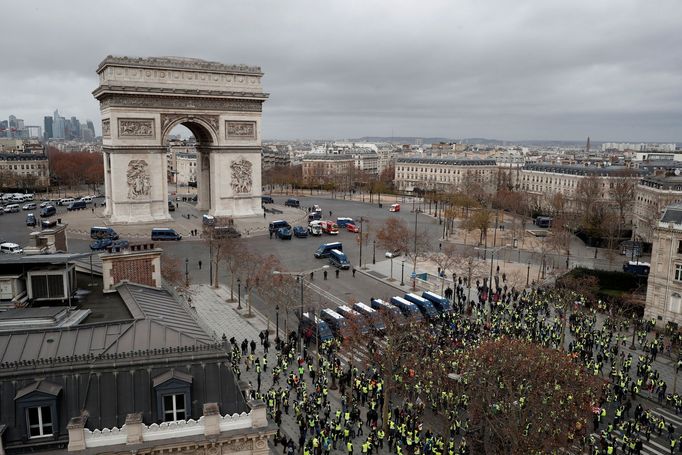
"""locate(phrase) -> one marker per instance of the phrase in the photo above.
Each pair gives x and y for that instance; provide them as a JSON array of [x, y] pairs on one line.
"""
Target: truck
[[329, 227], [315, 228], [424, 305]]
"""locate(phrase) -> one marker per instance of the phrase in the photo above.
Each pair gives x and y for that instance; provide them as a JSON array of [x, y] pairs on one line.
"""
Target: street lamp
[[374, 251], [239, 294], [402, 274], [186, 272], [277, 324]]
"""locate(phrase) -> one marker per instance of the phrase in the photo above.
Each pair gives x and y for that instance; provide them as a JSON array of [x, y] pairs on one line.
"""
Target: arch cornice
[[209, 122]]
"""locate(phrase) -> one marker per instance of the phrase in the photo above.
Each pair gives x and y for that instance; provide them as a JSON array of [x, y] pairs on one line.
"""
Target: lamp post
[[277, 324], [239, 294], [186, 272], [362, 220], [414, 263], [528, 273], [402, 274], [374, 251]]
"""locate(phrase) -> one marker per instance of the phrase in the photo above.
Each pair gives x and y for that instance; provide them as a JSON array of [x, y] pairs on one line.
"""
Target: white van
[[29, 196], [66, 201], [86, 199], [12, 208], [10, 248]]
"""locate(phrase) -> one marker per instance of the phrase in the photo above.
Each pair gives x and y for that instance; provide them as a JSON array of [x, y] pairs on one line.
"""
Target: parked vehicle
[[101, 244], [325, 249], [352, 228], [408, 309], [291, 202], [637, 268], [275, 225], [65, 201], [300, 232], [336, 322], [315, 228], [424, 305], [311, 325], [103, 232], [342, 222], [316, 208], [171, 206], [543, 221], [338, 259], [76, 205], [12, 208], [29, 196], [86, 199], [394, 208], [371, 315], [10, 248], [284, 233], [314, 216], [329, 227], [388, 311], [165, 234], [440, 302], [48, 224], [393, 254], [354, 318], [48, 210], [266, 200], [29, 206], [45, 204], [31, 220]]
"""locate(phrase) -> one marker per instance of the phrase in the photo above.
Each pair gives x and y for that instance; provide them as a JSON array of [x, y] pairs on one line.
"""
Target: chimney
[[139, 263]]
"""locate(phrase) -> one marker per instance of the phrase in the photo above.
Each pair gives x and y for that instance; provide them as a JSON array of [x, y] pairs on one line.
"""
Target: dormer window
[[173, 396], [37, 403]]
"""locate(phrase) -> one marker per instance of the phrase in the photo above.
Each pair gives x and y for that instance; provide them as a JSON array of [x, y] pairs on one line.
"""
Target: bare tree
[[394, 235], [446, 259], [258, 272], [479, 220], [590, 204], [221, 243], [622, 191]]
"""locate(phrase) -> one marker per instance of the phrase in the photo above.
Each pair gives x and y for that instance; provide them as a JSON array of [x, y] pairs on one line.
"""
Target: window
[[39, 421], [679, 247], [174, 407], [675, 301], [678, 272]]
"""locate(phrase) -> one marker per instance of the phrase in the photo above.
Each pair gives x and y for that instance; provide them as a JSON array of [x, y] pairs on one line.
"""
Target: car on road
[[266, 200], [171, 206], [292, 203], [76, 205], [284, 233], [101, 244], [275, 225], [394, 208], [45, 204], [300, 232], [393, 254], [12, 208], [31, 220], [352, 228], [10, 248], [48, 210], [29, 206]]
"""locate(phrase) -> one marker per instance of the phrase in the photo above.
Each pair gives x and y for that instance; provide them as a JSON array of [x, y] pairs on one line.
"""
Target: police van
[[335, 321], [342, 222], [424, 305], [372, 316], [165, 234], [325, 249], [440, 302], [409, 309], [338, 259], [103, 232], [388, 311], [355, 318], [311, 324]]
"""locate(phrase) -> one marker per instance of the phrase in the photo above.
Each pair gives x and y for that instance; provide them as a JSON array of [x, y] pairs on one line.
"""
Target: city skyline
[[527, 71]]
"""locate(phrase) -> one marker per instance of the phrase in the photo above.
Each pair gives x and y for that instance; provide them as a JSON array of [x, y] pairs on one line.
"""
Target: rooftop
[[577, 169], [449, 161]]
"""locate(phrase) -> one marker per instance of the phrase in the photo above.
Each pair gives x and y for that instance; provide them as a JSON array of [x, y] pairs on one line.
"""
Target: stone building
[[652, 195], [127, 371], [443, 174], [275, 156], [28, 170], [321, 169], [664, 287]]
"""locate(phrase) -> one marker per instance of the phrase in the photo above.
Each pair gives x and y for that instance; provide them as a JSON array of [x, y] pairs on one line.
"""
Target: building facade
[[664, 286], [323, 169], [652, 195], [24, 170], [443, 174]]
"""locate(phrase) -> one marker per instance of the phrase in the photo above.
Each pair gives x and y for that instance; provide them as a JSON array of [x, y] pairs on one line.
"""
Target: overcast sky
[[523, 69]]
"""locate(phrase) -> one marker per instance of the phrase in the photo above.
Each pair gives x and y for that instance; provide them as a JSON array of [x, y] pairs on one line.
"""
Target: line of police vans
[[371, 319]]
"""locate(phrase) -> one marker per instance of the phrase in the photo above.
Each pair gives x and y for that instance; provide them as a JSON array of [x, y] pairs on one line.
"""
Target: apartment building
[[652, 195], [442, 174], [321, 169], [24, 170]]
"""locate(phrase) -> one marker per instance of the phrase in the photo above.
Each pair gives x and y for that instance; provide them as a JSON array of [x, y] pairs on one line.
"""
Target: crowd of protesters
[[425, 419]]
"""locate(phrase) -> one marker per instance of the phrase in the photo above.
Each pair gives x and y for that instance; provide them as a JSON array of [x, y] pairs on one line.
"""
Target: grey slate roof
[[448, 161], [672, 214], [39, 386]]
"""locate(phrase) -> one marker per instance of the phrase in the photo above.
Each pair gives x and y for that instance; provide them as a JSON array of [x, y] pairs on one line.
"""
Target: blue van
[[338, 259], [385, 308], [48, 211], [165, 234], [409, 309], [335, 321], [324, 250], [103, 232], [441, 303], [311, 323], [424, 305], [372, 316], [355, 317], [342, 222]]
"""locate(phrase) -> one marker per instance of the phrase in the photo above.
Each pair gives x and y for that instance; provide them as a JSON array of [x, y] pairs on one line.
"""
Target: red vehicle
[[329, 227], [394, 208], [352, 228]]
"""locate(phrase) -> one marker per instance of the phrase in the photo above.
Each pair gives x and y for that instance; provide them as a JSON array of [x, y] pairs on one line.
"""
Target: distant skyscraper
[[4, 126], [47, 123], [58, 126], [587, 147], [75, 128]]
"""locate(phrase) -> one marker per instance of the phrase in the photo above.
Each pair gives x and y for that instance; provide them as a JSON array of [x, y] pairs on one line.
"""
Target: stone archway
[[143, 99]]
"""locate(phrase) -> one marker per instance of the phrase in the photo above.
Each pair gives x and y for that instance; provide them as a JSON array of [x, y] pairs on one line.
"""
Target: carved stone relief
[[158, 102], [139, 183], [240, 130], [241, 176], [135, 127], [106, 127], [238, 446]]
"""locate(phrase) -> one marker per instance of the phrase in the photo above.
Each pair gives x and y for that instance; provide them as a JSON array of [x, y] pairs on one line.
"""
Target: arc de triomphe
[[143, 99]]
